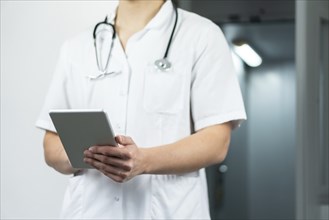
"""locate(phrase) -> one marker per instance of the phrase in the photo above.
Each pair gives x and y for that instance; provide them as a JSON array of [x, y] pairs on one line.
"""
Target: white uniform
[[152, 107]]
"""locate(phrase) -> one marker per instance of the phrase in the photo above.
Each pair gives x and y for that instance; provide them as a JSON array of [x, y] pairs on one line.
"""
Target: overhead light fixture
[[247, 54]]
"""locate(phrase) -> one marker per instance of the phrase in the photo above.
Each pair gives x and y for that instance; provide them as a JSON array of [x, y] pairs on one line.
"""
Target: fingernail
[[91, 148]]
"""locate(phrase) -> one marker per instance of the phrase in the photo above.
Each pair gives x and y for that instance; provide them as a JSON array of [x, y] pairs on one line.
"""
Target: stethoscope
[[107, 29]]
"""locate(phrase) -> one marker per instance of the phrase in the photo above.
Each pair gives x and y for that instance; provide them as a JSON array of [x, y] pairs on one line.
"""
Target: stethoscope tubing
[[106, 23], [162, 64], [172, 32]]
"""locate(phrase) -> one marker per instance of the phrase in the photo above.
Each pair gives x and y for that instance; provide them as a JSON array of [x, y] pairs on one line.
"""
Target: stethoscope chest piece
[[162, 64]]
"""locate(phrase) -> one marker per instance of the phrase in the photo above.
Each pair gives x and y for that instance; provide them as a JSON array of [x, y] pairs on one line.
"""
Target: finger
[[112, 172], [101, 166], [88, 153], [116, 178], [111, 151], [124, 140], [113, 161]]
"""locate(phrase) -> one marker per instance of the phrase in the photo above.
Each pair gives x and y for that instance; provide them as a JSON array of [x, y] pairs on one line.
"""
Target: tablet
[[81, 129]]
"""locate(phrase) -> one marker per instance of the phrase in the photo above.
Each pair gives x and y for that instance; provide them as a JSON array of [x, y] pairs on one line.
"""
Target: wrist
[[145, 161]]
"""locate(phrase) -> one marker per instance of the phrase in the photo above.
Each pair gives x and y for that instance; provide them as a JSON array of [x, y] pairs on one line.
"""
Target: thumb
[[124, 140]]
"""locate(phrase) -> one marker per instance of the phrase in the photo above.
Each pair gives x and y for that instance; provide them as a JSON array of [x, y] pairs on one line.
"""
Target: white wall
[[31, 34]]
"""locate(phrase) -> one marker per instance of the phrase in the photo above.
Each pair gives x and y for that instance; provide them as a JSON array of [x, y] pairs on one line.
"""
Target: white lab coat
[[152, 107]]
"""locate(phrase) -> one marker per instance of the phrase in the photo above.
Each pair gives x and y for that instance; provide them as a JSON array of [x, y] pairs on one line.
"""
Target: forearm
[[206, 147], [55, 154], [202, 149]]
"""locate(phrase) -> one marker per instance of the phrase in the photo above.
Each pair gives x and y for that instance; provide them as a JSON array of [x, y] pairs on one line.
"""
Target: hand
[[118, 163]]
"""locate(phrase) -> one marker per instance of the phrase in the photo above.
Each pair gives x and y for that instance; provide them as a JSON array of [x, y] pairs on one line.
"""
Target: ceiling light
[[247, 54]]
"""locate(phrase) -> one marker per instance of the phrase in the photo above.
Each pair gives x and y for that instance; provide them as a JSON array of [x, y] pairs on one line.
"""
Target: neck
[[135, 14]]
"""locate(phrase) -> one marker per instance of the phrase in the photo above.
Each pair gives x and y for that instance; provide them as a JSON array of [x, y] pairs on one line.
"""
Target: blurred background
[[277, 167]]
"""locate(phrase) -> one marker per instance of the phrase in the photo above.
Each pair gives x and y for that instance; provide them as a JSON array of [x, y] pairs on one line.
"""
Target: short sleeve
[[215, 92], [56, 97]]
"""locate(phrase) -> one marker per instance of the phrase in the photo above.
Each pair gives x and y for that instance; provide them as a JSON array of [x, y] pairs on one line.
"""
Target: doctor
[[171, 123]]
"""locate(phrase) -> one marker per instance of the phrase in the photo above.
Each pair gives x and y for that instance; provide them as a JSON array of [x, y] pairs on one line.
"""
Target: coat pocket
[[163, 91]]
